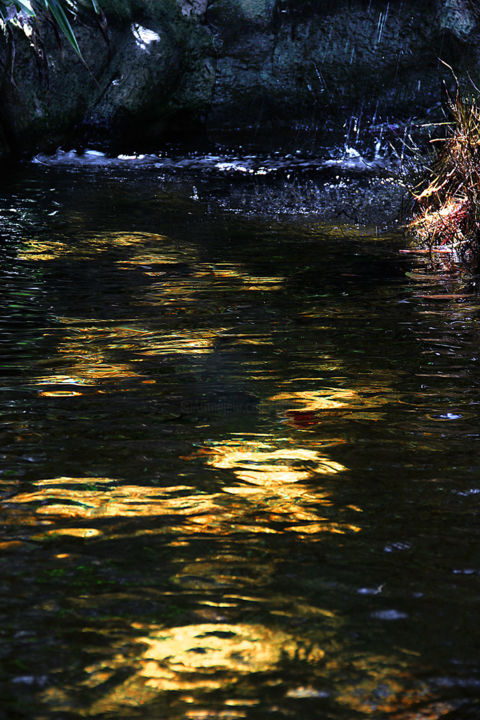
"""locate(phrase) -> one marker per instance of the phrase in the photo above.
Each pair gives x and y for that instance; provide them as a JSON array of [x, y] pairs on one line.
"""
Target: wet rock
[[155, 69], [4, 151], [192, 7], [45, 86], [140, 75], [135, 76], [457, 17], [231, 17], [287, 60]]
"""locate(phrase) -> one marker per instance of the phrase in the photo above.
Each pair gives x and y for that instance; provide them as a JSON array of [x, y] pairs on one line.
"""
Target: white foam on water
[[347, 159]]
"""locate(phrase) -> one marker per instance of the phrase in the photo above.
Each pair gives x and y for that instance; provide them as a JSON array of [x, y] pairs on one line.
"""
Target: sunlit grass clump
[[448, 208]]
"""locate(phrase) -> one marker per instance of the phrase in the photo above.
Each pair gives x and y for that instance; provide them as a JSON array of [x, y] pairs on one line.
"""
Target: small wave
[[345, 159], [88, 158]]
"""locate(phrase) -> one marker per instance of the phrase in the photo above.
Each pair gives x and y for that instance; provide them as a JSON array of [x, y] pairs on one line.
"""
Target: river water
[[239, 469]]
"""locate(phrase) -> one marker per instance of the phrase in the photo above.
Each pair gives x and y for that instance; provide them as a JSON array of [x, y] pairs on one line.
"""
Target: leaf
[[60, 17], [59, 10], [25, 6]]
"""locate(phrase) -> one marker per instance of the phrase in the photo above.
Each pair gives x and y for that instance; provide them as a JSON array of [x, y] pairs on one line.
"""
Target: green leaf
[[25, 6], [59, 10], [60, 17]]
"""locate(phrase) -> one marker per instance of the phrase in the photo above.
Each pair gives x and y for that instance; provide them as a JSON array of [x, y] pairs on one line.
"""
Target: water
[[239, 464], [345, 158]]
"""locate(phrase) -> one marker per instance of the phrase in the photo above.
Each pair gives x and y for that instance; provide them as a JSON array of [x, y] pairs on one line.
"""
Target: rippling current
[[239, 468]]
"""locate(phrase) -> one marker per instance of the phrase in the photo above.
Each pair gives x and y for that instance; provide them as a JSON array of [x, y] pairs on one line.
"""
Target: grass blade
[[60, 17]]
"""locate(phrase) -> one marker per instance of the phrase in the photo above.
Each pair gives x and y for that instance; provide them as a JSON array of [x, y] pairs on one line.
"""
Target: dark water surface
[[240, 467]]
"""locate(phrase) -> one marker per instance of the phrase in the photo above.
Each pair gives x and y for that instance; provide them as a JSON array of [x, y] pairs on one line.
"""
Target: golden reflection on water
[[271, 487], [219, 646], [206, 656], [231, 657], [196, 342], [202, 283], [263, 485], [85, 247], [153, 254], [93, 498], [279, 484], [304, 407], [87, 353], [238, 277]]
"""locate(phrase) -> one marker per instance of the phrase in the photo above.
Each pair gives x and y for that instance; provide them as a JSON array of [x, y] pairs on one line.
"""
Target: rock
[[157, 68], [45, 86], [192, 7], [4, 151], [457, 17], [141, 75], [296, 62]]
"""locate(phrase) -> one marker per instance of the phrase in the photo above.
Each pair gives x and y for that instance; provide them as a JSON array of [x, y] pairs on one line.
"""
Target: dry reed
[[448, 207]]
